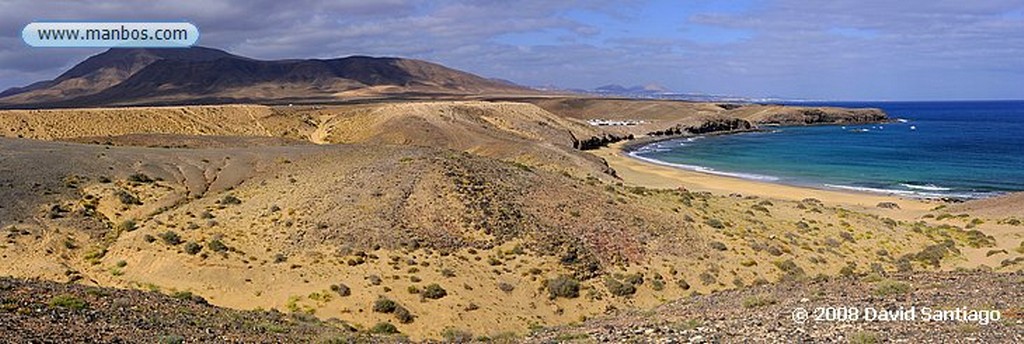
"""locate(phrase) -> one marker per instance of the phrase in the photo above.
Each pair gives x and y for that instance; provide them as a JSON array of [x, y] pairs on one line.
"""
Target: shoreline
[[648, 174], [631, 145]]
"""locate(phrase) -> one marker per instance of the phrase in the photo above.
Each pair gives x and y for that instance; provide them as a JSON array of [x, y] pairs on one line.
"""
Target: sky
[[827, 49]]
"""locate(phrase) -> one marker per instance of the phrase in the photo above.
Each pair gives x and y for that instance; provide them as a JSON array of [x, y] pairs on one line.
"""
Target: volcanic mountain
[[205, 75]]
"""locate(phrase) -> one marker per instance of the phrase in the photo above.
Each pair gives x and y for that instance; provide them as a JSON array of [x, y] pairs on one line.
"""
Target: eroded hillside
[[424, 238]]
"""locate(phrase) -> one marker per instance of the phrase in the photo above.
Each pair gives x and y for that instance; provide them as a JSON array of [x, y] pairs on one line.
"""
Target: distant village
[[610, 123]]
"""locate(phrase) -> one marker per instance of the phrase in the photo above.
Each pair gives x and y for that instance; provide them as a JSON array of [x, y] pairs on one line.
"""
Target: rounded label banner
[[110, 34]]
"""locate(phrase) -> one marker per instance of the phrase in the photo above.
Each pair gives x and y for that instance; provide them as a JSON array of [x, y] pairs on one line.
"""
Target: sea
[[948, 149]]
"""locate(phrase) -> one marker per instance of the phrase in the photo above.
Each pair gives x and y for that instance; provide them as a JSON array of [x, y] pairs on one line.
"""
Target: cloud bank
[[841, 49]]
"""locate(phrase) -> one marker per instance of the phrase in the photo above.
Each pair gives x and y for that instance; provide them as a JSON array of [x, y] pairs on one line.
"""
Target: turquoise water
[[943, 149]]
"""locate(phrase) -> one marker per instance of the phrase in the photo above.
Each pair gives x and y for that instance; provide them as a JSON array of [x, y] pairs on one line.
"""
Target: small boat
[[861, 130], [913, 127]]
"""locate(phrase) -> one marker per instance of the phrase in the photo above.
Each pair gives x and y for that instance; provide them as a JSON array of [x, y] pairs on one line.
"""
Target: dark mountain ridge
[[204, 75]]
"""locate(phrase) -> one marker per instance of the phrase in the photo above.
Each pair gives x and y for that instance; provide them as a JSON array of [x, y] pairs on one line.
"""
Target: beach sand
[[638, 172]]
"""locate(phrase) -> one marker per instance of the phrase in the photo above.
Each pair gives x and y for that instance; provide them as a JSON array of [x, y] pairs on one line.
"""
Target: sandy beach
[[639, 172]]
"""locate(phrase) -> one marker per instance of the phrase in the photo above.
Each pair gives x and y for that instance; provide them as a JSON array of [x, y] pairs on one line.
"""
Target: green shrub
[[434, 291], [341, 289], [188, 296], [657, 285], [68, 301], [757, 301], [890, 287], [634, 279], [618, 288], [977, 239], [127, 225], [933, 254], [384, 305], [683, 285], [384, 328], [789, 268], [127, 198], [140, 178], [715, 223], [192, 247], [216, 245], [452, 335], [403, 315], [170, 238], [718, 245], [506, 287], [230, 200], [563, 286]]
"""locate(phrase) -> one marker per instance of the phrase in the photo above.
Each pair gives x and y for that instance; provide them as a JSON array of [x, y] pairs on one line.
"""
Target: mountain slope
[[203, 75], [102, 71]]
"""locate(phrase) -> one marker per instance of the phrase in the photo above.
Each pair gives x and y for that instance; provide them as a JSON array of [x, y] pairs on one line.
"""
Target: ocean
[[964, 149]]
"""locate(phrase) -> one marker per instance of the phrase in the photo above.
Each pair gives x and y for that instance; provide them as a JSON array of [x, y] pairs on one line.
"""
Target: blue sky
[[839, 49]]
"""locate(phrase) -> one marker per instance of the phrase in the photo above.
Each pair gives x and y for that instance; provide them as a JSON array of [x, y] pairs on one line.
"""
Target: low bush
[[890, 287], [384, 328], [757, 301], [563, 286], [341, 289], [170, 238], [68, 301], [127, 225], [683, 285], [216, 245], [452, 335], [434, 291], [127, 198], [230, 200], [618, 288], [140, 178], [384, 305], [403, 315], [192, 247], [715, 223]]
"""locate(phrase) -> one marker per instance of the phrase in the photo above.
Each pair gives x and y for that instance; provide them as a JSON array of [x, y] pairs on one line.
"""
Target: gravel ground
[[765, 314], [46, 312]]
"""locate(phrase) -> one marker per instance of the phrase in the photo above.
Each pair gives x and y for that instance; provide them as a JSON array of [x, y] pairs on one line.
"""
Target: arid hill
[[436, 217], [453, 239], [514, 132], [209, 76]]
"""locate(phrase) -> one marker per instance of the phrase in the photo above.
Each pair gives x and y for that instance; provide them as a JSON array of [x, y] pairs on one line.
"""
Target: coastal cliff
[[792, 115], [710, 126], [661, 118]]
